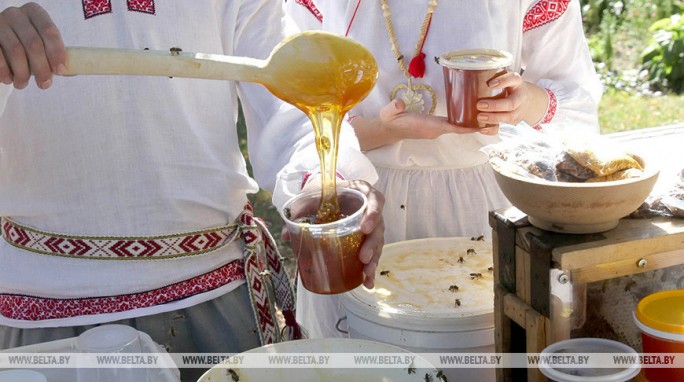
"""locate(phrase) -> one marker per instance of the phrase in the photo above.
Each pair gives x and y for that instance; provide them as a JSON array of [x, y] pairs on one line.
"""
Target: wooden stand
[[529, 264]]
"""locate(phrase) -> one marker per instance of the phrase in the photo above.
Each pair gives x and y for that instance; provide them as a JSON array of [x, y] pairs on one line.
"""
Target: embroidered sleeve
[[550, 109], [555, 56], [544, 12]]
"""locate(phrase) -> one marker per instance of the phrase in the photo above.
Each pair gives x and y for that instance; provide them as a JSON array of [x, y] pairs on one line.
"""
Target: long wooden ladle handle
[[171, 63]]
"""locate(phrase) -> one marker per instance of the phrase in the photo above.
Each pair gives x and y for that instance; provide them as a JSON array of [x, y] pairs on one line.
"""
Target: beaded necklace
[[411, 94]]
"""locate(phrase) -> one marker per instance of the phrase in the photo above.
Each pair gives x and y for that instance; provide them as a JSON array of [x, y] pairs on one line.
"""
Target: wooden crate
[[533, 267]]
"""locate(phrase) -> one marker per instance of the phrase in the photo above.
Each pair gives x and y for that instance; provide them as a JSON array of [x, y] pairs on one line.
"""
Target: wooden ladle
[[310, 68]]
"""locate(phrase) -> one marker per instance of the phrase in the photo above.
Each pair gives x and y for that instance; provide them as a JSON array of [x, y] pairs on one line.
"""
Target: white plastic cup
[[109, 339], [327, 254], [21, 375]]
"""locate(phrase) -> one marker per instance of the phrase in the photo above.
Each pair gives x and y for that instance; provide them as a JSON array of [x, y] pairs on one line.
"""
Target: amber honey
[[338, 76], [327, 254], [329, 265], [466, 77]]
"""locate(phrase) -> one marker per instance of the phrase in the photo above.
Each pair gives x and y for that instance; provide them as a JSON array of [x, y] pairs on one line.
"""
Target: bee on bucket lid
[[453, 288], [471, 251], [233, 375], [175, 51], [384, 273], [475, 276]]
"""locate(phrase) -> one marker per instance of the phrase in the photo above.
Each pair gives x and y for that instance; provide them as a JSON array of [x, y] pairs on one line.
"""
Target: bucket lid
[[430, 279], [475, 59], [662, 311]]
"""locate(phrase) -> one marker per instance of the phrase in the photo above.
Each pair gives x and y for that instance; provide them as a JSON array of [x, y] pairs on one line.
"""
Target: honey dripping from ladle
[[321, 73], [338, 73]]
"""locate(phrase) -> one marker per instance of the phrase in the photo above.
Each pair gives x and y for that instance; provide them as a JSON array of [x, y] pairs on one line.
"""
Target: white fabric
[[443, 186], [141, 156]]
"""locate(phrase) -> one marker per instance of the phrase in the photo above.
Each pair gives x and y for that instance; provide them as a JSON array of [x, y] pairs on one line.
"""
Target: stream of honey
[[338, 77]]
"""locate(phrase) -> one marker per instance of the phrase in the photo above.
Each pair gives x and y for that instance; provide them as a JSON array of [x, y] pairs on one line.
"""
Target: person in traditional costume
[[435, 179], [124, 199]]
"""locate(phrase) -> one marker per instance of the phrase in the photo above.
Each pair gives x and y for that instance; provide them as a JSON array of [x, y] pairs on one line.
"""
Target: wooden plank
[[536, 331], [628, 266], [502, 333], [522, 275], [633, 237], [521, 317], [504, 262], [535, 340], [540, 264], [502, 323], [515, 309]]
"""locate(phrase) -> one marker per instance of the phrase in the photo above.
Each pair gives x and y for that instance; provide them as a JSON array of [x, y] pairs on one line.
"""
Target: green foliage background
[[638, 49]]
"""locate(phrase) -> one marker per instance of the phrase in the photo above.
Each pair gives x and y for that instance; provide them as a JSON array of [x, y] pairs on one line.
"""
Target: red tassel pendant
[[417, 66]]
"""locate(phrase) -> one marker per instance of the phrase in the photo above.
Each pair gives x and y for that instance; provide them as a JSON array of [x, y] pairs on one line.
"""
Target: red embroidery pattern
[[264, 275], [309, 4], [550, 109], [143, 6], [33, 308], [257, 284], [186, 244], [544, 12], [92, 8]]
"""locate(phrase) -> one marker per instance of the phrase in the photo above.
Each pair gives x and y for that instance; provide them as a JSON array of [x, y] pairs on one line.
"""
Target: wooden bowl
[[577, 207]]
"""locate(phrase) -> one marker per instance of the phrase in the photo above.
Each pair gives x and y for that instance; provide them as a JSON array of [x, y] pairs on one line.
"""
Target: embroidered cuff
[[550, 109]]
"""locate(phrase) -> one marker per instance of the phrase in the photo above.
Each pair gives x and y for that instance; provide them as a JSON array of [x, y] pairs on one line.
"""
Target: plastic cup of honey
[[466, 77], [660, 317], [327, 254]]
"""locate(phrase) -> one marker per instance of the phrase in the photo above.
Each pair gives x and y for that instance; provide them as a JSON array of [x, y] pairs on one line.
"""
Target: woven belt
[[262, 266], [117, 248]]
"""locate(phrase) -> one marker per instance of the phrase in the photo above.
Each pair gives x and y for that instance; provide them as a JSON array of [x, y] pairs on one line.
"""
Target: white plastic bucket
[[21, 375], [586, 373], [339, 368], [434, 327]]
